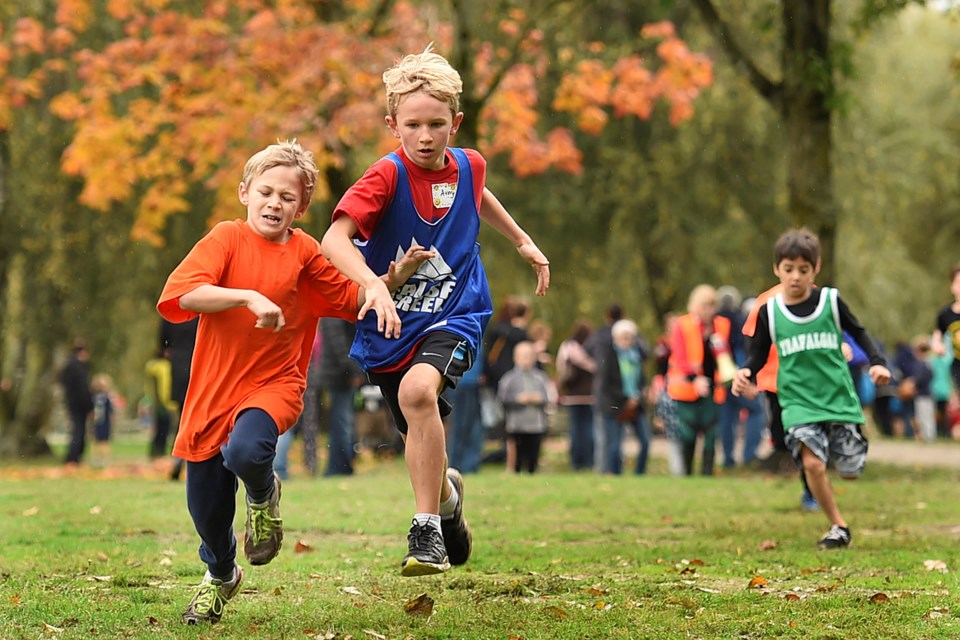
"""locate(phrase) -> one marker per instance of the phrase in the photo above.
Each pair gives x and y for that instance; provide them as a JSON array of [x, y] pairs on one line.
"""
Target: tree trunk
[[808, 86], [30, 395]]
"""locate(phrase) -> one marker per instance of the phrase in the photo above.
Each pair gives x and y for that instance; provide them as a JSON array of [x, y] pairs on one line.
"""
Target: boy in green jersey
[[820, 408]]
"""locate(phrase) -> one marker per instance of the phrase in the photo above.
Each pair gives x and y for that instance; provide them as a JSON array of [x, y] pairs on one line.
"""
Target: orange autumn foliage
[[185, 94]]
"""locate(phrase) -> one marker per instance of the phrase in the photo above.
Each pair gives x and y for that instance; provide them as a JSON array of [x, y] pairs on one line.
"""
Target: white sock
[[448, 506], [229, 580], [431, 519]]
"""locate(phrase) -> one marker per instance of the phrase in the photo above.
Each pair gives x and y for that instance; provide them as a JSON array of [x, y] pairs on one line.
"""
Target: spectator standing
[[695, 379], [102, 419], [75, 379], [946, 336], [925, 410], [158, 387], [178, 340], [599, 345], [575, 372], [509, 330], [665, 409], [941, 386], [340, 377], [526, 393], [620, 397], [729, 307], [465, 443], [307, 424]]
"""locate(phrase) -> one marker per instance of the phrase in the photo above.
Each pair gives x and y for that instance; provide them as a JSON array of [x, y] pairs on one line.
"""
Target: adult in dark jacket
[[75, 378], [340, 376], [178, 340]]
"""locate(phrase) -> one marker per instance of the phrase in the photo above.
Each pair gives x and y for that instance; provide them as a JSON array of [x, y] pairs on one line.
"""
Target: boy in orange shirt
[[259, 288]]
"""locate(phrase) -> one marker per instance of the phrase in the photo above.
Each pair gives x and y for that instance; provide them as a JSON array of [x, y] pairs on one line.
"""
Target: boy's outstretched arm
[[338, 248], [494, 214]]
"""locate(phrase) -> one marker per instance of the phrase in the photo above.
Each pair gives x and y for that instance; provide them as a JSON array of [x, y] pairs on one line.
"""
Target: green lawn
[[557, 555]]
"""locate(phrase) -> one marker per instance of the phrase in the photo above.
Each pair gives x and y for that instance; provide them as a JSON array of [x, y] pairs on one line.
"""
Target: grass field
[[557, 555]]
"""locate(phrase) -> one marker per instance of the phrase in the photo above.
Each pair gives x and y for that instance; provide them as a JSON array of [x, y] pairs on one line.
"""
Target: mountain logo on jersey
[[429, 288]]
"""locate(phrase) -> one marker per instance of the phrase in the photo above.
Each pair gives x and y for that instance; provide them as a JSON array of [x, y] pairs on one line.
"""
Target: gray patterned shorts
[[841, 443]]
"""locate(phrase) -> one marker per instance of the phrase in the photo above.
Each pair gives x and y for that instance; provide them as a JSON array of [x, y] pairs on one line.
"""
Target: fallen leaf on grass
[[422, 605], [96, 510], [302, 547], [556, 612], [935, 565], [32, 511], [766, 545], [791, 596], [352, 591], [102, 556], [756, 582], [706, 590], [877, 598], [937, 612], [49, 628], [374, 634]]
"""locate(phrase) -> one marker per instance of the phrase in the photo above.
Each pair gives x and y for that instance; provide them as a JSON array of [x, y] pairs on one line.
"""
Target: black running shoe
[[837, 538], [456, 531], [427, 554]]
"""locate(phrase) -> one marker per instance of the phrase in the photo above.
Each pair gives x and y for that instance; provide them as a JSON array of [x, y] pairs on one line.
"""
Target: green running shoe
[[263, 535], [207, 604]]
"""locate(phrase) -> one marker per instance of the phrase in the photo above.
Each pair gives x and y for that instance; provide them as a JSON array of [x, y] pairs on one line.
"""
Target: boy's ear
[[816, 267], [392, 125], [457, 119], [242, 194]]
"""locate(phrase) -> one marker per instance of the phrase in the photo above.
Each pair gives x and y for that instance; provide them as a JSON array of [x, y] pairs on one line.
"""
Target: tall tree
[[152, 107]]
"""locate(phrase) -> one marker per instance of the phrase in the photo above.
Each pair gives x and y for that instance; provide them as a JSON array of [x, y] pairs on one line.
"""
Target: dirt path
[[901, 452]]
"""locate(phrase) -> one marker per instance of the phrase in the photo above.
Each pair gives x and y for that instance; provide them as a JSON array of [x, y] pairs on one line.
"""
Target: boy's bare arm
[[495, 214], [338, 248], [209, 298]]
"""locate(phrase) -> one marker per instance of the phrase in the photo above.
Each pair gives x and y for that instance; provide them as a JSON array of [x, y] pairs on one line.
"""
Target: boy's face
[[273, 200], [524, 356], [796, 275], [424, 125]]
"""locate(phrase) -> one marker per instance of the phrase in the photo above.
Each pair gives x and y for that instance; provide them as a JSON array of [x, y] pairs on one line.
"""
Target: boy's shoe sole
[[413, 568], [456, 532]]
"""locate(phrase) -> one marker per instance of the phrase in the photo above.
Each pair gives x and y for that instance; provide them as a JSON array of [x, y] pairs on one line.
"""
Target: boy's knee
[[417, 395], [241, 456]]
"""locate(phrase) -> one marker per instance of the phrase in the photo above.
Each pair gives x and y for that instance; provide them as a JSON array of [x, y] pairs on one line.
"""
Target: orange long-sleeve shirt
[[235, 365]]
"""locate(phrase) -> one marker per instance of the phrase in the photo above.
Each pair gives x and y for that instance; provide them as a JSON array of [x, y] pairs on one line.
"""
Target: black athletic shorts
[[448, 353]]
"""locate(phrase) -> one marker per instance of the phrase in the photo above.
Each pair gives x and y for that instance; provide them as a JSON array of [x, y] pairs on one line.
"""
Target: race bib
[[443, 195]]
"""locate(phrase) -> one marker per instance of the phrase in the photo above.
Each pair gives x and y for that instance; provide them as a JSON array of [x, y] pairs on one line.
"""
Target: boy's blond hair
[[428, 72], [286, 153], [102, 382]]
